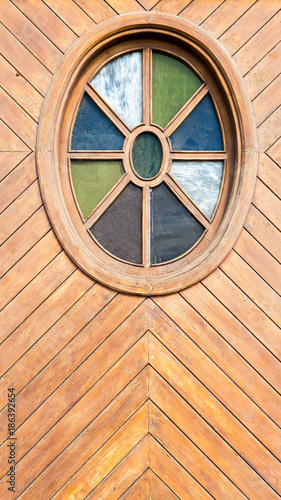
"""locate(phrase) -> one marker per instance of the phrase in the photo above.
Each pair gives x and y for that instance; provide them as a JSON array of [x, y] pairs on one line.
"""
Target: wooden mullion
[[146, 86], [186, 110], [187, 202], [96, 155], [113, 117], [198, 155], [146, 226], [107, 201]]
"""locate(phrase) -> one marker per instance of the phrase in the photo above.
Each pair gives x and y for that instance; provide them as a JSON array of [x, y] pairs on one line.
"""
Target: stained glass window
[[140, 176]]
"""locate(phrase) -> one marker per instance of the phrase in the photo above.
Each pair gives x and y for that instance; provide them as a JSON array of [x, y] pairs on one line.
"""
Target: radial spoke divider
[[107, 201], [198, 155], [187, 202], [186, 110], [96, 155], [113, 117], [146, 227], [146, 86]]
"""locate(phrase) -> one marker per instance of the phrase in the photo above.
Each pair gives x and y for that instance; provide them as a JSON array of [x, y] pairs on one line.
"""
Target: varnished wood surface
[[120, 396]]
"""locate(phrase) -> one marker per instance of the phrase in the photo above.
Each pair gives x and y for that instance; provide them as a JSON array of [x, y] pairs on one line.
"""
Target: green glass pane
[[92, 180], [173, 84], [147, 155]]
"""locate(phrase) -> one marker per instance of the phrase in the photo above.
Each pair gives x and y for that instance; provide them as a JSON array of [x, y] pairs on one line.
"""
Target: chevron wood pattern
[[125, 397]]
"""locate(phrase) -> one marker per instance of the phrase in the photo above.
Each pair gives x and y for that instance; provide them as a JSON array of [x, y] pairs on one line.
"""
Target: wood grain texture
[[164, 398]]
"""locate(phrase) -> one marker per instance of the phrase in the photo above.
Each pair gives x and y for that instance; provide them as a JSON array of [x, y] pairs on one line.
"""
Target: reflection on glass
[[173, 229], [147, 155], [93, 130], [173, 84], [92, 180], [201, 180], [119, 229], [200, 131], [120, 84]]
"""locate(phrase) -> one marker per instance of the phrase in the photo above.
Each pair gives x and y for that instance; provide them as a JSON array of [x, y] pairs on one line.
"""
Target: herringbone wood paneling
[[119, 396]]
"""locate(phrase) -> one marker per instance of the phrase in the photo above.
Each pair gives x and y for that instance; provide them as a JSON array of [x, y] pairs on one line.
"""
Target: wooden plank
[[140, 488], [18, 244], [47, 22], [275, 153], [264, 72], [226, 318], [222, 421], [173, 474], [37, 291], [216, 380], [249, 23], [86, 427], [19, 211], [158, 489], [269, 172], [20, 90], [266, 201], [198, 10], [47, 346], [267, 234], [71, 14], [170, 6], [260, 260], [124, 474], [70, 369], [267, 101], [98, 11], [269, 131], [10, 160], [9, 141], [52, 311], [148, 4], [23, 61], [190, 457], [17, 181], [254, 287], [125, 6], [226, 15], [216, 344], [259, 45], [103, 462], [206, 439], [29, 35], [17, 119], [28, 267]]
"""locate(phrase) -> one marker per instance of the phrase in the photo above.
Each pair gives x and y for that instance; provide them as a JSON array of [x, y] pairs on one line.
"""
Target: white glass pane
[[201, 180], [120, 85]]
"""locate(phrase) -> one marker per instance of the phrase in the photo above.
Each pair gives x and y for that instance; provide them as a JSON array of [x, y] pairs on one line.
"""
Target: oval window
[[151, 155]]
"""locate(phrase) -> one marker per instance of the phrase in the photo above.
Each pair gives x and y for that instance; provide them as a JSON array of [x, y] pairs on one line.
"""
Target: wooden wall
[[120, 396]]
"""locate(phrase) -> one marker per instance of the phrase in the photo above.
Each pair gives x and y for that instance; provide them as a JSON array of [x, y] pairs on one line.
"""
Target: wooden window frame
[[221, 77]]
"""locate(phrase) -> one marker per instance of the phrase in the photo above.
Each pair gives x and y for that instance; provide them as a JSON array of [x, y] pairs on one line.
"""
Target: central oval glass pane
[[147, 155]]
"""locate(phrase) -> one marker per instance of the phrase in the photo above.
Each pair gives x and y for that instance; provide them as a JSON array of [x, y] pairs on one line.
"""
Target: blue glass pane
[[93, 130], [201, 180], [200, 131], [173, 229], [120, 85]]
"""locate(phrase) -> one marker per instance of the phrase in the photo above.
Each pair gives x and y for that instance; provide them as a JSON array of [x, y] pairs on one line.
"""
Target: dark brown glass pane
[[173, 229], [119, 229]]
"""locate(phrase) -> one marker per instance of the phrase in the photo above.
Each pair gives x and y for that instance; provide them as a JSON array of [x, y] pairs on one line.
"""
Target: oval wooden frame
[[98, 264]]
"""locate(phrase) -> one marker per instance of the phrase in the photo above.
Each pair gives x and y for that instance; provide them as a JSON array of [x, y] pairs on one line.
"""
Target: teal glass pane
[[147, 155], [92, 180], [201, 180], [200, 131], [120, 84], [93, 130], [173, 84], [173, 229], [119, 229]]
